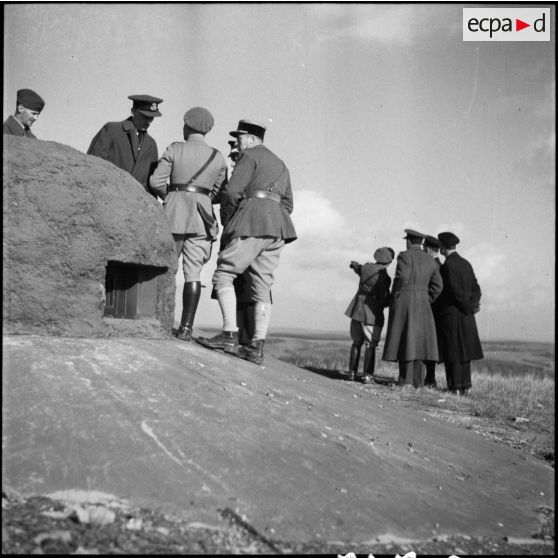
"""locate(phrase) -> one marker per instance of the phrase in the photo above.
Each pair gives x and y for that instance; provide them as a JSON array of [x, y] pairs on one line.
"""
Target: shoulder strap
[[211, 157]]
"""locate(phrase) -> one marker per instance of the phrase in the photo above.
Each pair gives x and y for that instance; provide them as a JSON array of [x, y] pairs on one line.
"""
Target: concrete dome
[[86, 251]]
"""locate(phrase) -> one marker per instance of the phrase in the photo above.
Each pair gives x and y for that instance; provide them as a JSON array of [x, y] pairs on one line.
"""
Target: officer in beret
[[366, 311], [28, 108], [431, 246], [411, 332], [456, 307], [189, 177], [253, 237], [127, 144]]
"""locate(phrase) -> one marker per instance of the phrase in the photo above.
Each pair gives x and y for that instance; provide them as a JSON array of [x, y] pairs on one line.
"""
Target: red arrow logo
[[519, 25]]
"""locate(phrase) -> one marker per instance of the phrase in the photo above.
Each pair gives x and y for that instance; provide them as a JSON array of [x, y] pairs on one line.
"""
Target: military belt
[[264, 194], [189, 188]]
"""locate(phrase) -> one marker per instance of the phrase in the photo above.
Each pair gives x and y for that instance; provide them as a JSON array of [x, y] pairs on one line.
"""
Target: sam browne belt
[[264, 194], [189, 188]]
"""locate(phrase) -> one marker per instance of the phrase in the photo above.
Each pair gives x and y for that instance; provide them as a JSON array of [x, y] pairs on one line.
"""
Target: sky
[[385, 117]]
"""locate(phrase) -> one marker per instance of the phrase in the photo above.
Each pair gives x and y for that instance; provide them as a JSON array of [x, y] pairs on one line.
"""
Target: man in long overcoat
[[28, 108], [366, 311], [411, 333], [456, 309], [127, 144], [196, 173], [253, 237]]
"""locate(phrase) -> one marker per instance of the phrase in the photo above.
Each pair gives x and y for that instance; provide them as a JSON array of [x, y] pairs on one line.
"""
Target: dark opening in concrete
[[131, 290]]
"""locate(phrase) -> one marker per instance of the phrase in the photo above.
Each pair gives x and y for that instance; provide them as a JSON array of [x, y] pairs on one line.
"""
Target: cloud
[[385, 25], [318, 261]]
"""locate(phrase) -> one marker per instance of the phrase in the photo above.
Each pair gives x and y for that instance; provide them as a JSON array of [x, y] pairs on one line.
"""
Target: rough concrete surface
[[65, 216], [300, 456]]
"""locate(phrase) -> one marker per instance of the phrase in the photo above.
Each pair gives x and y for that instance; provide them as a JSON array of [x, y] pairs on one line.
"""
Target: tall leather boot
[[369, 365], [354, 359], [190, 298]]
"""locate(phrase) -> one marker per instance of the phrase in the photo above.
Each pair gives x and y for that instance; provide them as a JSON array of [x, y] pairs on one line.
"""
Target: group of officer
[[432, 309], [189, 178], [432, 306]]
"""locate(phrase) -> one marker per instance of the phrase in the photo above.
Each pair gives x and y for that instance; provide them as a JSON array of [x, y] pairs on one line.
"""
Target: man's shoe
[[367, 379], [219, 341], [254, 351], [184, 333], [350, 376]]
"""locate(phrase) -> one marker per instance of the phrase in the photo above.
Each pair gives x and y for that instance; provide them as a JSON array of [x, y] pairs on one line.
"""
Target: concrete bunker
[[86, 251]]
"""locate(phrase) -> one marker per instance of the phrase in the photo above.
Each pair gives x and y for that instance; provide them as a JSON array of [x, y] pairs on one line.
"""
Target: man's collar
[[196, 137], [20, 123], [128, 124]]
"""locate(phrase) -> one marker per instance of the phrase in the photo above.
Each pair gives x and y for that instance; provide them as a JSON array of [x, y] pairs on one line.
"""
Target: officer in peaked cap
[[411, 332], [431, 246], [459, 302], [127, 143], [253, 237], [28, 108]]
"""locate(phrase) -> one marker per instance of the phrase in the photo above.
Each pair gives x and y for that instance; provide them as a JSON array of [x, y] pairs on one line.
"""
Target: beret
[[30, 100], [448, 239], [199, 119], [384, 255]]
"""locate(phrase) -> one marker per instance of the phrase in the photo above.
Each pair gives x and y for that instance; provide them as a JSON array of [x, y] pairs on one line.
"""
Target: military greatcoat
[[12, 127], [411, 333], [455, 308], [118, 143], [367, 306]]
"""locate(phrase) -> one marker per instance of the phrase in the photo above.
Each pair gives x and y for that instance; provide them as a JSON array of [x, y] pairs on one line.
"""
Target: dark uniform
[[260, 193], [31, 101], [456, 308], [366, 311], [411, 333], [124, 145]]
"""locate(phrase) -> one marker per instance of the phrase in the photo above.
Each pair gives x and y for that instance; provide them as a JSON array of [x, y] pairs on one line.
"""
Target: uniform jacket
[[367, 306], [411, 333], [455, 308], [12, 127], [190, 212], [257, 168], [117, 142]]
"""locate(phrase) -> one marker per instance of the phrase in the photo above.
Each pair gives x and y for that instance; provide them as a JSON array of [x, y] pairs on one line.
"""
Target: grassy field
[[512, 400]]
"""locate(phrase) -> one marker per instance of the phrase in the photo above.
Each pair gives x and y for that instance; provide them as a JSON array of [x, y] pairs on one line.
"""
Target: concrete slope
[[302, 457]]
